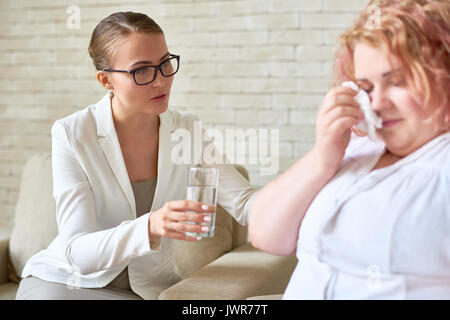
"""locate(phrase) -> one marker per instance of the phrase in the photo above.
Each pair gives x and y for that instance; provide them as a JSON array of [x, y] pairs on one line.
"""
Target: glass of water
[[202, 186]]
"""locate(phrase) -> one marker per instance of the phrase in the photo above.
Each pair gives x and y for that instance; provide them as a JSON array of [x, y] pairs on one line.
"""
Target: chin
[[157, 108], [401, 147]]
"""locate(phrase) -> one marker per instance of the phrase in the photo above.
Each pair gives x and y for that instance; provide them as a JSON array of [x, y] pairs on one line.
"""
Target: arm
[[88, 248], [280, 207]]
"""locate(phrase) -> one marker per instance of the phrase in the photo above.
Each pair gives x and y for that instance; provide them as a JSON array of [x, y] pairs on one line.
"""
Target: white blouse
[[381, 234]]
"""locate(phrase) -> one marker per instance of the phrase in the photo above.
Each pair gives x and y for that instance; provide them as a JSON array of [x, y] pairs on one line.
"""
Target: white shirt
[[98, 232], [383, 234]]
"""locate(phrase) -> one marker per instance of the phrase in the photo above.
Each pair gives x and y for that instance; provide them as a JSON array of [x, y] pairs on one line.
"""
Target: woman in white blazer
[[108, 161]]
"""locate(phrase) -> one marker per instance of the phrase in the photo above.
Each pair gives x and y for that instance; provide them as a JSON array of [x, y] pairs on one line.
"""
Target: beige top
[[143, 195]]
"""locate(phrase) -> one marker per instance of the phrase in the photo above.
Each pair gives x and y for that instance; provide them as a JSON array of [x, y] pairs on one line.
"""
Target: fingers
[[342, 112], [190, 217], [338, 93], [189, 205], [177, 230], [178, 217], [343, 124], [342, 100], [184, 227], [358, 132], [174, 224], [339, 104]]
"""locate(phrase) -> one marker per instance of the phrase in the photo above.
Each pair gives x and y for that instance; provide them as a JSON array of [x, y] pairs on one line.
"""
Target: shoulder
[[76, 125], [427, 184], [428, 175], [436, 159]]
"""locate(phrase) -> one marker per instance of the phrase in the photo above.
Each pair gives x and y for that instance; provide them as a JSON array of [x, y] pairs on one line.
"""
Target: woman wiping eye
[[390, 78], [370, 219]]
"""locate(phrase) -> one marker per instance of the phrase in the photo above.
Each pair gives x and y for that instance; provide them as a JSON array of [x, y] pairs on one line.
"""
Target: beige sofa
[[224, 267]]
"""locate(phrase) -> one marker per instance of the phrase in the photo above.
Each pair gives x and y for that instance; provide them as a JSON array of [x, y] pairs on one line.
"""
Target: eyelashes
[[393, 83], [367, 90]]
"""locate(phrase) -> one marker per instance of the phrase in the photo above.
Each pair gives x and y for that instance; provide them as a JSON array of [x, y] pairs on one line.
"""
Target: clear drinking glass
[[202, 186]]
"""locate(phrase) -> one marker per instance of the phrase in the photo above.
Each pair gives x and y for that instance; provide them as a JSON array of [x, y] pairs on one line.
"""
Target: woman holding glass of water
[[116, 188]]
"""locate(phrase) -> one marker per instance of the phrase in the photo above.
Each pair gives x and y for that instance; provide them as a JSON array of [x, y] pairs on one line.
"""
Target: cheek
[[131, 93], [169, 83], [124, 83], [406, 103]]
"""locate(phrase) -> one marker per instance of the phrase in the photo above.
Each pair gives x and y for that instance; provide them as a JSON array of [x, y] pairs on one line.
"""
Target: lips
[[390, 123], [159, 98]]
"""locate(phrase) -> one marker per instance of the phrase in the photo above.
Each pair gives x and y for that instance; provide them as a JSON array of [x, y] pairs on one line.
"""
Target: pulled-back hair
[[417, 32], [112, 29]]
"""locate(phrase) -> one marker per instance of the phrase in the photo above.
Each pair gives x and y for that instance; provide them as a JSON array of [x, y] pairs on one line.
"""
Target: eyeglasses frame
[[157, 67]]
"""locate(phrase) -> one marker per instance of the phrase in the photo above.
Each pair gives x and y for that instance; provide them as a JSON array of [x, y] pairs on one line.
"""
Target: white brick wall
[[245, 64]]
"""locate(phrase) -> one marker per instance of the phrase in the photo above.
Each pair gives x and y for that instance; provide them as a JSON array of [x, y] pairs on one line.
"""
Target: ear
[[103, 79]]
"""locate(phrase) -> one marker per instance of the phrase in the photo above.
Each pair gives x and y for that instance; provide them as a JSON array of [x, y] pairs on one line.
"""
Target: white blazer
[[98, 233]]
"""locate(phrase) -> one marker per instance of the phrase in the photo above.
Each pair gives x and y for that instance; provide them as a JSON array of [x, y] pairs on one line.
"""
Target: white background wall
[[245, 64]]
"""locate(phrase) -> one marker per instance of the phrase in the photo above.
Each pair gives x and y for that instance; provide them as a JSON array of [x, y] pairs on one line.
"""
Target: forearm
[[279, 208], [109, 248]]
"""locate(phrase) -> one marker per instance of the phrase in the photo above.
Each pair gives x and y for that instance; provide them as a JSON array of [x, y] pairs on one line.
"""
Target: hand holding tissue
[[371, 121]]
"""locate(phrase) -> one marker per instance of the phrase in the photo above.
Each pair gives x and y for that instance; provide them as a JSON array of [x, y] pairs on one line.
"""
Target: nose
[[160, 80], [378, 99]]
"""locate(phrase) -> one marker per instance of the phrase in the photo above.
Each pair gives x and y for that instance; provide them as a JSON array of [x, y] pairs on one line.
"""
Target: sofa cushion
[[191, 256], [34, 221], [244, 272], [8, 291]]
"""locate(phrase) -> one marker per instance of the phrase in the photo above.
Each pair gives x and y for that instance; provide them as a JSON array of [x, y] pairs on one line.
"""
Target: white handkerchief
[[371, 121]]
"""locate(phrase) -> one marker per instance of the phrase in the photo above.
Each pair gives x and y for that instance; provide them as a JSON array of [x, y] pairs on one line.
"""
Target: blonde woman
[[119, 195], [371, 219]]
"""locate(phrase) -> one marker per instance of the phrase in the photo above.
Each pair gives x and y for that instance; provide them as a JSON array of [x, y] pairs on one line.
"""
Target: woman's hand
[[172, 220], [338, 114]]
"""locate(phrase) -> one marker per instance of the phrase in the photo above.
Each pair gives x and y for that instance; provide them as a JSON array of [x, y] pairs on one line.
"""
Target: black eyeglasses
[[147, 74]]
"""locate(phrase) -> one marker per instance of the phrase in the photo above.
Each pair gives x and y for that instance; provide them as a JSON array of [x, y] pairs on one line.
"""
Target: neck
[[133, 124]]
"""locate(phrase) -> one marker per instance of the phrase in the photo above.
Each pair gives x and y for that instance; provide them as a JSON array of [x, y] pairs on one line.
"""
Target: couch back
[[35, 224]]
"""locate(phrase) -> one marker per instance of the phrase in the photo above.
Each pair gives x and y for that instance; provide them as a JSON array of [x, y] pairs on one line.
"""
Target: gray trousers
[[33, 288]]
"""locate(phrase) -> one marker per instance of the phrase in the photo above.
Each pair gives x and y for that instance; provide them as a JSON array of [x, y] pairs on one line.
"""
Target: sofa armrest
[[241, 273], [4, 243]]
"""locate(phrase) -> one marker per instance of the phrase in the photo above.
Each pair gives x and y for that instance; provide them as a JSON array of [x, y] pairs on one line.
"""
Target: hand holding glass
[[202, 186]]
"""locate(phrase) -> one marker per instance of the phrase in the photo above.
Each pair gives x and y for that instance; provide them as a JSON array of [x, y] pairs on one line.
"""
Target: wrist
[[152, 235], [320, 167]]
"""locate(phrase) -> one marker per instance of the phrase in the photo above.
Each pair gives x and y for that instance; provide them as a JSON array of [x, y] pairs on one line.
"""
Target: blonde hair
[[113, 28], [417, 32]]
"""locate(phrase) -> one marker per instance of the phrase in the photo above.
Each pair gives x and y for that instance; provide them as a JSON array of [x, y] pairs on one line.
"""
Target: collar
[[105, 123]]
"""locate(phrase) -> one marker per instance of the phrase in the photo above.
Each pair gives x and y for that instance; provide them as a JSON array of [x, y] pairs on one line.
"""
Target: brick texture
[[258, 64]]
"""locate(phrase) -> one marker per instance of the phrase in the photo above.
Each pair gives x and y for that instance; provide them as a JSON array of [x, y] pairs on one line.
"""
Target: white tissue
[[371, 121]]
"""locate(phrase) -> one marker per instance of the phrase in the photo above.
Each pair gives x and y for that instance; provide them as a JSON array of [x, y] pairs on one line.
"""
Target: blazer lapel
[[165, 163], [109, 143]]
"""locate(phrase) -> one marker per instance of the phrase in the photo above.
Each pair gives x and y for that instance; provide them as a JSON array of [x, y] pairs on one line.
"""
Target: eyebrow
[[148, 62], [384, 75]]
